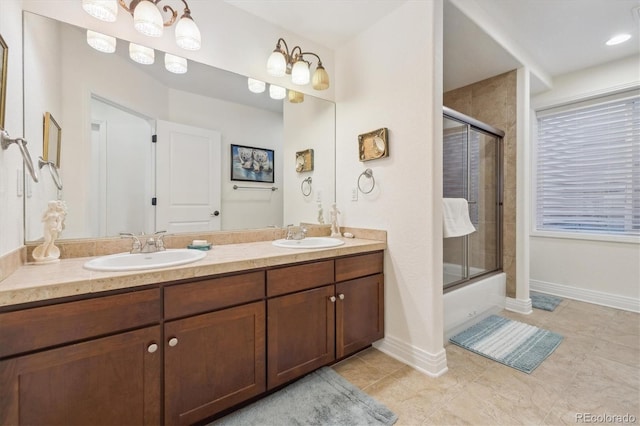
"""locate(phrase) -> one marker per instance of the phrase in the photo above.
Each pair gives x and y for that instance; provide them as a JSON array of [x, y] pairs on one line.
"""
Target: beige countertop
[[31, 283]]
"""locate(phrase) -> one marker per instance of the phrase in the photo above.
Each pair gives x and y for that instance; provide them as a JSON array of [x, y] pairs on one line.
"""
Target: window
[[588, 167]]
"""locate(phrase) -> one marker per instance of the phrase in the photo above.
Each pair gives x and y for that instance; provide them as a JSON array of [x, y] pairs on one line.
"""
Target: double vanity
[[181, 344]]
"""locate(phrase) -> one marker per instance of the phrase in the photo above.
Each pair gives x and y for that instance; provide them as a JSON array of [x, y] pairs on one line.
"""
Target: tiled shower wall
[[493, 101]]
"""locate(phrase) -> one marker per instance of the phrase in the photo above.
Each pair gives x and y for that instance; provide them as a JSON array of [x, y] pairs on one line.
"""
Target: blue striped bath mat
[[545, 302], [516, 344]]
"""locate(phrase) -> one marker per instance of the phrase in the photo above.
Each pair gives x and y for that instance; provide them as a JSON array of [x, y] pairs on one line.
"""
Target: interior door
[[187, 178]]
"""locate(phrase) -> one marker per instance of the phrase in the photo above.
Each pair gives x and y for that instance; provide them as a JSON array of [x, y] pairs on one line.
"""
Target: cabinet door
[[301, 334], [359, 313], [109, 381], [213, 361]]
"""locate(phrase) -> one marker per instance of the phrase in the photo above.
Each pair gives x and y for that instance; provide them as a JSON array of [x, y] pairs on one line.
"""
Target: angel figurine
[[53, 219], [335, 229]]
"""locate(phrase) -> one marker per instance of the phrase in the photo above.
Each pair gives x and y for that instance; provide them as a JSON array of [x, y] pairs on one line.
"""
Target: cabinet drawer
[[299, 277], [209, 295], [37, 328], [359, 266]]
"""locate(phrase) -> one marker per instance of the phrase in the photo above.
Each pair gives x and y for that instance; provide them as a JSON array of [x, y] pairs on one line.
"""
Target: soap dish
[[203, 247]]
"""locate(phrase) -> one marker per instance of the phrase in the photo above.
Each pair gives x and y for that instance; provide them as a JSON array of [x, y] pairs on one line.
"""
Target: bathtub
[[467, 305]]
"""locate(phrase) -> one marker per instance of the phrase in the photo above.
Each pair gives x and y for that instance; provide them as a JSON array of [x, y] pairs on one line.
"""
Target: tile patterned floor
[[594, 372]]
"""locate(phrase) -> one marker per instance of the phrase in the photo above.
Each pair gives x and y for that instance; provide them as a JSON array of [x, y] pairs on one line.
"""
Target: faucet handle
[[136, 245], [160, 240]]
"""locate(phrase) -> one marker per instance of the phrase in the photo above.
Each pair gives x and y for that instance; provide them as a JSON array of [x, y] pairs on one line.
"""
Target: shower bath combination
[[472, 175]]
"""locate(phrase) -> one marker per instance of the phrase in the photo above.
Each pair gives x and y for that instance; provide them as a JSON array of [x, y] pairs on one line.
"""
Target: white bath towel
[[455, 214]]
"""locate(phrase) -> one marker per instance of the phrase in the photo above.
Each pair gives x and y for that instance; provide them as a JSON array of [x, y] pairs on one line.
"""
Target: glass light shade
[[320, 79], [104, 10], [300, 73], [141, 54], [277, 92], [256, 86], [277, 64], [101, 42], [188, 34], [175, 64], [147, 19], [295, 97]]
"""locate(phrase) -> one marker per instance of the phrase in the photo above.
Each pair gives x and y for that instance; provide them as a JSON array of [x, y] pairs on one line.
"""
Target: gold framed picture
[[373, 145], [304, 161], [52, 140], [4, 55]]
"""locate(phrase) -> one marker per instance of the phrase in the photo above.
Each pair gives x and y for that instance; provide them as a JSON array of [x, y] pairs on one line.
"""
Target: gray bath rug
[[322, 398], [516, 344], [545, 302]]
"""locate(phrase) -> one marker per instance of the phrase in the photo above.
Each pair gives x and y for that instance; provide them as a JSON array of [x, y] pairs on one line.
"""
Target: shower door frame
[[473, 124]]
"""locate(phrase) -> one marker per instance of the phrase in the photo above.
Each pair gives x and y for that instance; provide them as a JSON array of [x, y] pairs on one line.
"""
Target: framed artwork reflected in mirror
[[4, 54], [52, 140]]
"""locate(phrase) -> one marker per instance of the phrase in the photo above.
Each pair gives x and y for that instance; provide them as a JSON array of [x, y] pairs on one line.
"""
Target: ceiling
[[552, 37]]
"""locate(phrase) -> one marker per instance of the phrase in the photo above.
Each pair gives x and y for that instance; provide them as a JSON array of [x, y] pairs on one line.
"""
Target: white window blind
[[588, 167]]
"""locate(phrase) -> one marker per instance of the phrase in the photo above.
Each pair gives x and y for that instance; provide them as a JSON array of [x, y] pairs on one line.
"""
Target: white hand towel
[[456, 221]]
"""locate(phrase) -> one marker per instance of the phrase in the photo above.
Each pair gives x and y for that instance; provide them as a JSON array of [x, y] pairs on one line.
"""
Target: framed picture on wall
[[4, 55], [251, 164], [52, 140]]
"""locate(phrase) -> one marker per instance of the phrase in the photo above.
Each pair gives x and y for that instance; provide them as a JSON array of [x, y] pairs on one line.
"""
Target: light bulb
[[104, 10], [300, 73], [277, 92], [101, 42], [187, 34], [147, 19], [141, 54], [175, 64], [277, 64], [256, 86]]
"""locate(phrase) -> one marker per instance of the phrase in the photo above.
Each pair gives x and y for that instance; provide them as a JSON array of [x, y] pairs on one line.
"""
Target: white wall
[[604, 272], [396, 82], [11, 226]]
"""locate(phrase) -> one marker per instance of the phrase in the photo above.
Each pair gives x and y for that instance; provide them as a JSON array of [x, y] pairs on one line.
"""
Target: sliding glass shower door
[[471, 171]]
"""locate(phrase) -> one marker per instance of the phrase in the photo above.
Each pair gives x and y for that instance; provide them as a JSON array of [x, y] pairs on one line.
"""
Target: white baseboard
[[518, 305], [433, 365], [585, 295]]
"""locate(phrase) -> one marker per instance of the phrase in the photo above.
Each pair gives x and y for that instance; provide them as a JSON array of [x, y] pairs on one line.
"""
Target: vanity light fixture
[[141, 54], [148, 20], [101, 42], [175, 64], [282, 62]]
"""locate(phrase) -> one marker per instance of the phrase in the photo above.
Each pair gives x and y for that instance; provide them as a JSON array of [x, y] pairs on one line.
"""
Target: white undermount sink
[[309, 243], [140, 261]]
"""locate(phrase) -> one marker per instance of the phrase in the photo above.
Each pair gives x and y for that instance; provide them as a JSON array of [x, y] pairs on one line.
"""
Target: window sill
[[589, 237]]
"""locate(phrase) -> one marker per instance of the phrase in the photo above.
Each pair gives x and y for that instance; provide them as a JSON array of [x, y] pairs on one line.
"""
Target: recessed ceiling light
[[617, 39]]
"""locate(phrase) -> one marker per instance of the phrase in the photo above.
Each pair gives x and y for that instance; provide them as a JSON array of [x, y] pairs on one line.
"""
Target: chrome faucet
[[296, 232], [153, 245]]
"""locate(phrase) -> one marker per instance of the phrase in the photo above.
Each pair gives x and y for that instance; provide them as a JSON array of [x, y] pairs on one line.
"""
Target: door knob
[[215, 213], [152, 348], [332, 298], [173, 341], [341, 296]]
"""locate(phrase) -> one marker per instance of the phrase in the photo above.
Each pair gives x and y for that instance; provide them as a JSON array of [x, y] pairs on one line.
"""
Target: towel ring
[[306, 192], [368, 174], [53, 170]]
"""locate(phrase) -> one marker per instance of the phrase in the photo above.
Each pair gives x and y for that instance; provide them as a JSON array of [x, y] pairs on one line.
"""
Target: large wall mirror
[[110, 106]]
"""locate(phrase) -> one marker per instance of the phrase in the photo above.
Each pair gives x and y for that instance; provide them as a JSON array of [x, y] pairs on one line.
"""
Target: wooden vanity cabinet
[[216, 359], [322, 311], [77, 377]]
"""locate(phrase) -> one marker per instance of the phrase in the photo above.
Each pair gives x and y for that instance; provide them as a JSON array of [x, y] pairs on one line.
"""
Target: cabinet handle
[[173, 341], [152, 348], [341, 296], [333, 299]]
